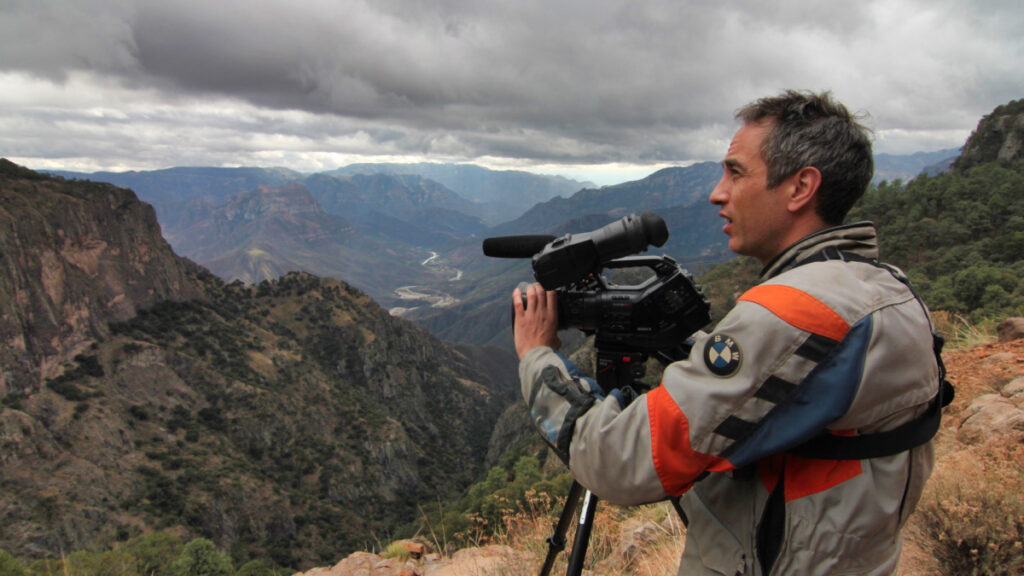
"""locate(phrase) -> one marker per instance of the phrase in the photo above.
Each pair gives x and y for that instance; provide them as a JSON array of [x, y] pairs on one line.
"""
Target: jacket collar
[[859, 238]]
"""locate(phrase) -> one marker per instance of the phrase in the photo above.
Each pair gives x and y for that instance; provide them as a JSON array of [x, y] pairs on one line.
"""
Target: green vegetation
[[480, 514], [959, 237], [9, 565], [157, 554], [65, 384], [293, 422], [201, 558]]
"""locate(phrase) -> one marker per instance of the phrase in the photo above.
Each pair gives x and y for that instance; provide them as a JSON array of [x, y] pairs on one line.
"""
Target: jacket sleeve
[[778, 369]]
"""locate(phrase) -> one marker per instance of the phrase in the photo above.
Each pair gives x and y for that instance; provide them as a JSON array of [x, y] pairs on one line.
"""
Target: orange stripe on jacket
[[677, 463], [806, 476], [798, 309]]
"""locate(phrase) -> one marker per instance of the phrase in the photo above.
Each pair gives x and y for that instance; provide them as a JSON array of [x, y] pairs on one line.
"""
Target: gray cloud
[[139, 84]]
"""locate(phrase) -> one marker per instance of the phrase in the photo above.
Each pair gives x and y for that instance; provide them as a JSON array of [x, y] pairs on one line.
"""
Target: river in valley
[[432, 297]]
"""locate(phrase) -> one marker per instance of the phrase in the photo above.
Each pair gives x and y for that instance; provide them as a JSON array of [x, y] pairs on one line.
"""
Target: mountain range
[[288, 420], [409, 234]]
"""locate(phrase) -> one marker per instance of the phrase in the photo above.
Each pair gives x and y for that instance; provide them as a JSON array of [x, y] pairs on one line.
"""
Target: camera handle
[[617, 369]]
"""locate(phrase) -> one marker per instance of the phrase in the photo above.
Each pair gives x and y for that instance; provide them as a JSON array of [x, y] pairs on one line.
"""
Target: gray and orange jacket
[[832, 346]]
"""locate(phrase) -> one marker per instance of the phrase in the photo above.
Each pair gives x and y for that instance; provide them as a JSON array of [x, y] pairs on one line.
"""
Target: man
[[829, 347]]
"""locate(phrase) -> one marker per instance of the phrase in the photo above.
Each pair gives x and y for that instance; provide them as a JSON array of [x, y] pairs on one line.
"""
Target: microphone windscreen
[[516, 246]]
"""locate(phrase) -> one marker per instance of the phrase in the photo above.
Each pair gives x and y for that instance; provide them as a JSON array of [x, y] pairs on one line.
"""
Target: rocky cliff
[[73, 257], [999, 137], [287, 421]]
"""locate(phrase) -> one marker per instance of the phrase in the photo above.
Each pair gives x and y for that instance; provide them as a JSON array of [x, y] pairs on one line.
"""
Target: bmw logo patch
[[722, 355]]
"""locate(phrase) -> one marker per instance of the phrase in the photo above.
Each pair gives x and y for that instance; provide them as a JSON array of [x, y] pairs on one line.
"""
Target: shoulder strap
[[905, 437]]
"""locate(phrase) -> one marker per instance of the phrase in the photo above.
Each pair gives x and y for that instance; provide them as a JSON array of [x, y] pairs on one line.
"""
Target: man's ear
[[804, 188]]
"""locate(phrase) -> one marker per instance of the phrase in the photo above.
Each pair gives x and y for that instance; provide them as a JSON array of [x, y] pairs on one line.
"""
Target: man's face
[[757, 221]]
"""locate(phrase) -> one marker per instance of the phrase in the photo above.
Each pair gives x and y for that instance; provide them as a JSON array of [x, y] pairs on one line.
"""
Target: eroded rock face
[[998, 137], [75, 256]]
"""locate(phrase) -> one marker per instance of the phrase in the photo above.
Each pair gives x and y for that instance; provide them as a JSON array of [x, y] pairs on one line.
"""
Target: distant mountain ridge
[[174, 185], [906, 167], [423, 204], [262, 234], [668, 187], [501, 194], [398, 217]]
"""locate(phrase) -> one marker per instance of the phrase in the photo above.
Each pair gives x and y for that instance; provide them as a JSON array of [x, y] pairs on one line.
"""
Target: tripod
[[617, 369]]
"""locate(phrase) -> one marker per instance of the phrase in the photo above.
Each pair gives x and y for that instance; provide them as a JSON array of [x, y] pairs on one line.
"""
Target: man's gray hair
[[812, 129]]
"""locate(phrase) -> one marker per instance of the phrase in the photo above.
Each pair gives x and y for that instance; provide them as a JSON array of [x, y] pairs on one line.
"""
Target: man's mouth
[[727, 227]]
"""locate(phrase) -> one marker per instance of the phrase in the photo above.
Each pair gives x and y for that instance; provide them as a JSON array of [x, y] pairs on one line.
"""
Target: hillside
[[679, 186], [268, 232], [287, 420], [960, 235]]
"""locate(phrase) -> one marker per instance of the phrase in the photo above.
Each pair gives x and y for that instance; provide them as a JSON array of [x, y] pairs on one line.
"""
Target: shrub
[[973, 514], [201, 558], [9, 565], [397, 551], [254, 568], [154, 553]]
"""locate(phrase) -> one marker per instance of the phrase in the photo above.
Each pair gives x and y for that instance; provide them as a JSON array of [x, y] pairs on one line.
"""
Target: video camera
[[655, 316], [629, 322]]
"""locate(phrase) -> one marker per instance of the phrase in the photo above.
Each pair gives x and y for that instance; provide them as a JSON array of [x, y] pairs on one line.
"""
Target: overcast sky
[[594, 89]]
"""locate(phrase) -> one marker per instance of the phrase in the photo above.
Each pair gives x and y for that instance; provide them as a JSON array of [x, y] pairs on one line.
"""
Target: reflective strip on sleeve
[[798, 309], [677, 463]]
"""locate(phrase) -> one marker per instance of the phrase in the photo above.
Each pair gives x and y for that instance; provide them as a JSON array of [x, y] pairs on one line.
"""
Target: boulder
[[490, 559], [990, 415], [1010, 329], [1014, 390]]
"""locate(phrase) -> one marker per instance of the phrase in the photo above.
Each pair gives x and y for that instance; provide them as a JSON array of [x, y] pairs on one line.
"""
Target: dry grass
[[646, 540], [971, 517], [960, 333], [972, 511]]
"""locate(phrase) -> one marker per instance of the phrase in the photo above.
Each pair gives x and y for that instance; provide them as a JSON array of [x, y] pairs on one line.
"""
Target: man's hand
[[537, 325]]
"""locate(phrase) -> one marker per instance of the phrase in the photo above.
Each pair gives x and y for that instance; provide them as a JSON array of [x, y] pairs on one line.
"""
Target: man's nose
[[719, 195]]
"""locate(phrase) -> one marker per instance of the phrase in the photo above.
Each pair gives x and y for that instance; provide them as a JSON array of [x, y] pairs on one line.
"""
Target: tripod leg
[[556, 542], [579, 545]]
